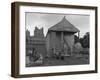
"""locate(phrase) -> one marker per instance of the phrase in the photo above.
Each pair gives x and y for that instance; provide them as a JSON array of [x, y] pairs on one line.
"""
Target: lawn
[[68, 60]]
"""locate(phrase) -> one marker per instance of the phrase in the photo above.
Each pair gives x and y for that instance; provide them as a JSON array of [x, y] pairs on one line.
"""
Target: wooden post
[[62, 39]]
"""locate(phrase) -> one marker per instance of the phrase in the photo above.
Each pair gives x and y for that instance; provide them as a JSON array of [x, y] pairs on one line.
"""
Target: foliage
[[85, 41]]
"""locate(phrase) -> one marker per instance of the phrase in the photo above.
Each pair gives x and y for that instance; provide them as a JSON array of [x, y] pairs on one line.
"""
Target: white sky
[[46, 21]]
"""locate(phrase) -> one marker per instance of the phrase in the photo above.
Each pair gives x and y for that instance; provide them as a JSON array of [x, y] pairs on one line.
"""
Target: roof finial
[[64, 18]]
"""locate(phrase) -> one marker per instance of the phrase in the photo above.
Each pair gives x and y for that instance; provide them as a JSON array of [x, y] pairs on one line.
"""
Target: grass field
[[68, 60]]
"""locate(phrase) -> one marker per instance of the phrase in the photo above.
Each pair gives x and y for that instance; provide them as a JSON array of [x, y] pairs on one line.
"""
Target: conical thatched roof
[[64, 25]]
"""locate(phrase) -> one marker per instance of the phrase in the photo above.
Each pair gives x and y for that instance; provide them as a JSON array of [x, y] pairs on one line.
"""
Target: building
[[60, 38], [36, 42]]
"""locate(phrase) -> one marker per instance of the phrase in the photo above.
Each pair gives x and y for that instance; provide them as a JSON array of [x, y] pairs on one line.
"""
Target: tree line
[[85, 40]]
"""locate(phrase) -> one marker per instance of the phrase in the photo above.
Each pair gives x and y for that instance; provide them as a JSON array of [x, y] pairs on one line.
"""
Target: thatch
[[64, 25]]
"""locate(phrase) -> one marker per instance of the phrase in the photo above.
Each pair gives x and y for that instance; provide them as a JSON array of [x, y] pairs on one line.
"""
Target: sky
[[47, 20]]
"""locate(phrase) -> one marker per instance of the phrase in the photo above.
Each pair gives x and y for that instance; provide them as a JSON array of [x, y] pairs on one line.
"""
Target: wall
[[5, 40]]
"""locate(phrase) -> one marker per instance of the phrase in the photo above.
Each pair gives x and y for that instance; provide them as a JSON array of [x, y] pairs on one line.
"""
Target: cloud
[[47, 20]]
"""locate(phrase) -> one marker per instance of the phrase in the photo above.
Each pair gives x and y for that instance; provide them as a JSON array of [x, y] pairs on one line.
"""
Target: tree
[[85, 40], [76, 39]]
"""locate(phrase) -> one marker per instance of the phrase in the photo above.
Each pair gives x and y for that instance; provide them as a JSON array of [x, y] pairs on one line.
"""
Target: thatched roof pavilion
[[61, 36]]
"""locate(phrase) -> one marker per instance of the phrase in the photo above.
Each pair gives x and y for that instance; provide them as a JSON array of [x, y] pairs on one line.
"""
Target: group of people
[[58, 53], [34, 55], [66, 51]]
